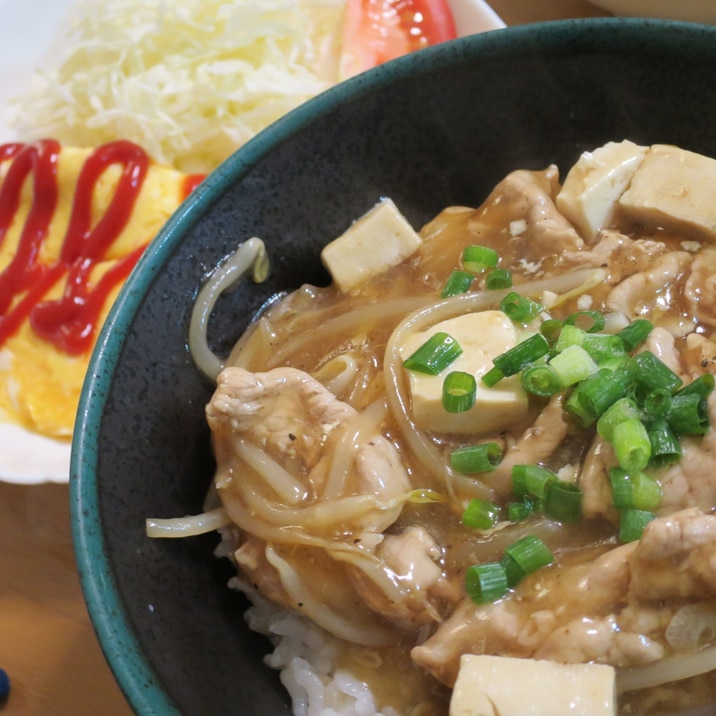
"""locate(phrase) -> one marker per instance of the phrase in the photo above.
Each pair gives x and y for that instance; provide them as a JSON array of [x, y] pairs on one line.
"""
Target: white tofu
[[592, 187], [380, 239], [505, 686], [674, 188], [482, 336]]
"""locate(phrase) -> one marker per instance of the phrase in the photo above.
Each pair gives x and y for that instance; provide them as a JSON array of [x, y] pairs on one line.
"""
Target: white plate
[[31, 33]]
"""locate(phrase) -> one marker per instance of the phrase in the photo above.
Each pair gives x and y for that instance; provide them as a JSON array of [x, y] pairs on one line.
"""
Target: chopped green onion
[[514, 573], [589, 321], [656, 403], [651, 372], [702, 386], [481, 514], [478, 258], [631, 445], [591, 398], [530, 553], [520, 510], [459, 391], [688, 414], [573, 364], [569, 336], [603, 347], [520, 308], [646, 492], [520, 356], [492, 377], [541, 380], [632, 524], [484, 457], [486, 583], [498, 278], [621, 488], [436, 354], [563, 501], [551, 329], [635, 333], [531, 480], [634, 491], [623, 409], [458, 282], [665, 446]]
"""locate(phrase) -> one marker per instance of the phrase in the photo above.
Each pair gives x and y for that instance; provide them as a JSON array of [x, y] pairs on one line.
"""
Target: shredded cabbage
[[188, 80]]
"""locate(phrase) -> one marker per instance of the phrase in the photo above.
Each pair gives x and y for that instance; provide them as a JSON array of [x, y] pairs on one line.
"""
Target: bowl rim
[[141, 686]]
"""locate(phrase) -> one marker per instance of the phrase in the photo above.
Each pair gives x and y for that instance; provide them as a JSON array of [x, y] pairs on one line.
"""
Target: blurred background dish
[[429, 130], [38, 42], [687, 10]]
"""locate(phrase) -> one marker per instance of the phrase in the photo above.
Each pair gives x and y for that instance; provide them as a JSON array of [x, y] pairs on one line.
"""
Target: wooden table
[[47, 644]]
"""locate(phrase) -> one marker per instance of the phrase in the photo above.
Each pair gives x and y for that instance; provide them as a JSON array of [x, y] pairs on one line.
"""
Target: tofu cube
[[380, 239], [482, 336], [591, 190], [506, 686], [674, 189]]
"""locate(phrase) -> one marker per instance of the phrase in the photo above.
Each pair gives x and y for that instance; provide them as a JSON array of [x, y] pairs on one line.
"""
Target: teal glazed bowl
[[439, 127]]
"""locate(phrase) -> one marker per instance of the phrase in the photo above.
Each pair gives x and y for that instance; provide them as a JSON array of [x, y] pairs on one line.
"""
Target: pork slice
[[636, 295], [676, 557], [614, 609]]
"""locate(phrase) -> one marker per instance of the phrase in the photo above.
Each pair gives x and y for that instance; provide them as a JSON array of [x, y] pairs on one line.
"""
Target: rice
[[306, 656]]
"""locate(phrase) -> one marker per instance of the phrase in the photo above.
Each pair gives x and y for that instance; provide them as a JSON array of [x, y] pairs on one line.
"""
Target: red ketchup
[[70, 322]]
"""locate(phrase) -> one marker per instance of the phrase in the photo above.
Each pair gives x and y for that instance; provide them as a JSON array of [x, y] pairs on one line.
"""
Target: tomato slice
[[376, 31]]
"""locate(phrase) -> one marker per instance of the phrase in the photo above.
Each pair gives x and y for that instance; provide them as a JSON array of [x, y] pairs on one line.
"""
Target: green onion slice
[[484, 457], [636, 491], [459, 391], [656, 403], [591, 398], [520, 308], [563, 501], [589, 321], [531, 480], [521, 355], [635, 333], [520, 510], [436, 354], [498, 278], [621, 488], [551, 329], [492, 377], [541, 380], [479, 258], [481, 514], [486, 583], [633, 523], [458, 282], [604, 348], [688, 414], [665, 445], [570, 335], [623, 409], [631, 444], [573, 364], [651, 372], [514, 573], [702, 386], [530, 553]]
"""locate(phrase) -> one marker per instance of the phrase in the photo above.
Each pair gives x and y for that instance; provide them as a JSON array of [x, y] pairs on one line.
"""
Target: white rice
[[306, 656]]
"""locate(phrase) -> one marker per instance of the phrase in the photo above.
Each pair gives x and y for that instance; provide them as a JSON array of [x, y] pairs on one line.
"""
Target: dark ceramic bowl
[[437, 128]]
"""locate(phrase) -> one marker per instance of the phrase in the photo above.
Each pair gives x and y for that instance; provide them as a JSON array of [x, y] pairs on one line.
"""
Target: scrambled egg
[[39, 383]]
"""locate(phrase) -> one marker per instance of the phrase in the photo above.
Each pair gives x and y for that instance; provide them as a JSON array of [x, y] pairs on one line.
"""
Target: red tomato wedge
[[376, 31]]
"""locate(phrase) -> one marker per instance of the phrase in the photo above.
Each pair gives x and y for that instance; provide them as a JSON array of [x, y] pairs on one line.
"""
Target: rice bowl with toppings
[[393, 164]]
